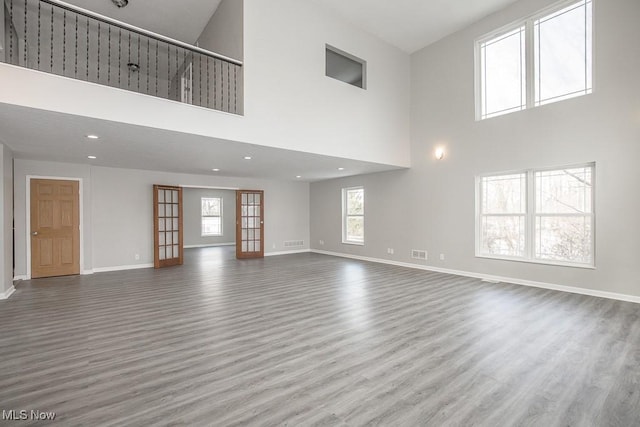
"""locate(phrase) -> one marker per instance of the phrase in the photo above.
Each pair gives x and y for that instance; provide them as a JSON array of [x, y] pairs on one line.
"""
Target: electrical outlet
[[137, 257], [321, 242], [390, 251], [441, 257], [274, 246]]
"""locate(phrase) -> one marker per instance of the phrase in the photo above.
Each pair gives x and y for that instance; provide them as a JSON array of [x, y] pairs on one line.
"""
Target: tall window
[[544, 216], [353, 215], [543, 59], [211, 216], [502, 69]]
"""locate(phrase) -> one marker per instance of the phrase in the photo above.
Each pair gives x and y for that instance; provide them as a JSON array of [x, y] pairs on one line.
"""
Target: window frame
[[531, 215], [348, 56], [529, 57], [346, 216], [202, 217]]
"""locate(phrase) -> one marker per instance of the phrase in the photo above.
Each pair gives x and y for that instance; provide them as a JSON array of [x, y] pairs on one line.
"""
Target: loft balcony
[[183, 72], [59, 38]]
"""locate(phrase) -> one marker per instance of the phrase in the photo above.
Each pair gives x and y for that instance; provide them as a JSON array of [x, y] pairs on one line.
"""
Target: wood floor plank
[[310, 339]]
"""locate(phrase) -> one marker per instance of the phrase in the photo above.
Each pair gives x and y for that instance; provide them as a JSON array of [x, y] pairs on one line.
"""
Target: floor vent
[[417, 254], [294, 243]]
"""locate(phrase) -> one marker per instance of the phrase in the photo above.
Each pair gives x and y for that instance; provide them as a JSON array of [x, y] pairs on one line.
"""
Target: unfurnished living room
[[320, 212]]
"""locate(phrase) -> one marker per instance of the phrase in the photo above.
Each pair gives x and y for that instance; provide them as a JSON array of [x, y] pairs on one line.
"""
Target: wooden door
[[55, 228], [249, 224], [167, 226]]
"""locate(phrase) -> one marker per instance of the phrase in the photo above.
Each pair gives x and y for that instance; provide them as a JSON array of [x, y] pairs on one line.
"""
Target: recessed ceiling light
[[340, 169], [91, 157], [93, 137], [247, 157], [298, 176], [216, 170]]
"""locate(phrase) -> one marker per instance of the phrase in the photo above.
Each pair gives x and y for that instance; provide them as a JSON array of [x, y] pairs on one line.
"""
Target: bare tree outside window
[[211, 216], [538, 215]]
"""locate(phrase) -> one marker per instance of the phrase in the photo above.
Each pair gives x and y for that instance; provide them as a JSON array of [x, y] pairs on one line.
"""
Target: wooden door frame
[[239, 221], [156, 259], [28, 219]]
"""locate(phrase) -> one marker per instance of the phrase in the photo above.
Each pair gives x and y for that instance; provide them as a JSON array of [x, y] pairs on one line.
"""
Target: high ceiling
[[407, 24], [182, 20], [413, 24]]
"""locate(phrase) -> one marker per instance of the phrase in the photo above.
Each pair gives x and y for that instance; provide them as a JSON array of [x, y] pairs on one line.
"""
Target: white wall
[[289, 102], [224, 32], [6, 221], [192, 211], [431, 206], [118, 214]]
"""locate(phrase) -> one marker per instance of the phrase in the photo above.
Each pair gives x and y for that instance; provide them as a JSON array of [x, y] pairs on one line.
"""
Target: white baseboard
[[492, 278], [300, 251], [121, 268], [6, 294], [211, 245], [21, 277]]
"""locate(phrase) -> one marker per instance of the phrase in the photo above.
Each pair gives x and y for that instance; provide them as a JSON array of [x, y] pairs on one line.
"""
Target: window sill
[[353, 243], [211, 235], [532, 261]]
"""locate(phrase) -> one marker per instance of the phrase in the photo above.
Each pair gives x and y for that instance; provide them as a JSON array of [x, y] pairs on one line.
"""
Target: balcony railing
[[58, 38]]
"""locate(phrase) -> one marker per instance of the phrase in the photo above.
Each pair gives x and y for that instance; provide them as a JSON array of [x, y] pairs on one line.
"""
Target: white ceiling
[[182, 20], [407, 24], [62, 137], [413, 24]]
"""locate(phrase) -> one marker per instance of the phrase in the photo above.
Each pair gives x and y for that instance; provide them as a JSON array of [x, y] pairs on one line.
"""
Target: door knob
[[35, 233]]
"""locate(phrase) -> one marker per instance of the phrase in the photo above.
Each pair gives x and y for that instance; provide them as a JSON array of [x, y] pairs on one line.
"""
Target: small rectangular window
[[544, 215], [211, 216], [345, 67], [353, 215]]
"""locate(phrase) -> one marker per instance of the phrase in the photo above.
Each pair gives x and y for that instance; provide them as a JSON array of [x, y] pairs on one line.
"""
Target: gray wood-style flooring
[[314, 340]]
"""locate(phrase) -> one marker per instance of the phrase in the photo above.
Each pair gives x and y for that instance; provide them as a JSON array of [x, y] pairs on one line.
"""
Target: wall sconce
[[439, 153]]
